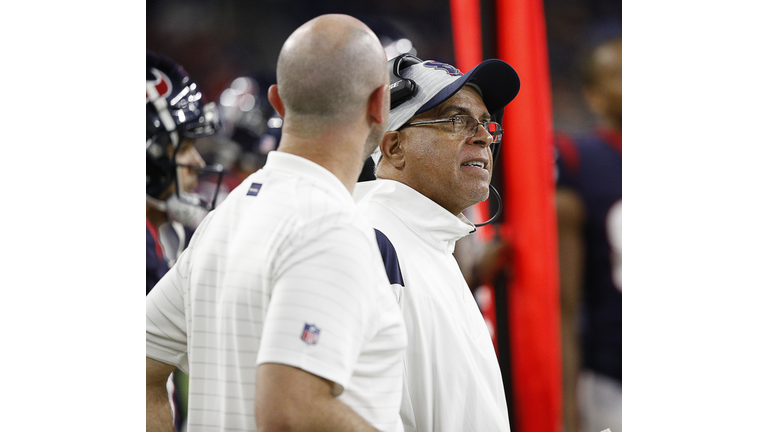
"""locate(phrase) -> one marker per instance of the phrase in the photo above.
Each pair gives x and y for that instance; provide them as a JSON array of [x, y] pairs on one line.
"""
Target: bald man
[[280, 309]]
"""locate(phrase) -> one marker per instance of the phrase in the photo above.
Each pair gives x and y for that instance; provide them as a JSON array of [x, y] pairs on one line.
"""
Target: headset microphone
[[498, 210]]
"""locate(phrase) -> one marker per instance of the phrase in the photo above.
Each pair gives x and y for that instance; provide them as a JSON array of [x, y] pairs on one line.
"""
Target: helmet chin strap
[[156, 203]]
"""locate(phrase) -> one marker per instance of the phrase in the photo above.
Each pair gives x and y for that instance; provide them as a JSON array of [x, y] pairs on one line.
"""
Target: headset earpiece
[[400, 89]]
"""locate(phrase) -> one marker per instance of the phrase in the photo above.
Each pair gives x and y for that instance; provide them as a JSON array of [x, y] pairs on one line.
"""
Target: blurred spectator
[[589, 224]]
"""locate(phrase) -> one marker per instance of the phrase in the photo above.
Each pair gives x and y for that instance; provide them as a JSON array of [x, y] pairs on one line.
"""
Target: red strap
[[153, 231]]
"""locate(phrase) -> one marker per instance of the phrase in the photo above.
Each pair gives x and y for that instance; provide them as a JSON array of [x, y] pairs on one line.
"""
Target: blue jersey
[[591, 165]]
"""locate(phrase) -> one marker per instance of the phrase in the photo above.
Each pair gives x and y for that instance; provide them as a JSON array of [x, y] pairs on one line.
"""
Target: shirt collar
[[427, 219], [303, 167]]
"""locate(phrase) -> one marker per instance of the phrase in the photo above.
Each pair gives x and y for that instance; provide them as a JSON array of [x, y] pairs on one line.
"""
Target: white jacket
[[452, 376]]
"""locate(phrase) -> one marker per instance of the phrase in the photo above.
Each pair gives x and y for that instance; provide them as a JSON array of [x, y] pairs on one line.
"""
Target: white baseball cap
[[436, 82]]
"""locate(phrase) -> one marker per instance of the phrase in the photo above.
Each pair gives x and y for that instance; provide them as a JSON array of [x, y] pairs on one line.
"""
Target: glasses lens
[[467, 126], [462, 125], [494, 129]]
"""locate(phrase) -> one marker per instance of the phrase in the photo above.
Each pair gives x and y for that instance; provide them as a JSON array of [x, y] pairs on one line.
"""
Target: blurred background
[[219, 41], [230, 49]]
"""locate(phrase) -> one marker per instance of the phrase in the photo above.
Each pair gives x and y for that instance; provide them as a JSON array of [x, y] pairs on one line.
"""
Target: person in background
[[177, 117], [589, 226]]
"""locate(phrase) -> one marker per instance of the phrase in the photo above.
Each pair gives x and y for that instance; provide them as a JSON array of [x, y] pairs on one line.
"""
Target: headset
[[401, 89]]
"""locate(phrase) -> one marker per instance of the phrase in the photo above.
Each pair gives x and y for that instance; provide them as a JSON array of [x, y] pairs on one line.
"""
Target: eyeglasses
[[466, 126]]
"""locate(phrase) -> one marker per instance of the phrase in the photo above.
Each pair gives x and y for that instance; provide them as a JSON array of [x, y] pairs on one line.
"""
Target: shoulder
[[304, 200], [578, 154], [589, 144]]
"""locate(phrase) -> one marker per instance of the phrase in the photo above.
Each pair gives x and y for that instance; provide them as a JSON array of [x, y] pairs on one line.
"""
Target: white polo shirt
[[452, 376], [283, 271]]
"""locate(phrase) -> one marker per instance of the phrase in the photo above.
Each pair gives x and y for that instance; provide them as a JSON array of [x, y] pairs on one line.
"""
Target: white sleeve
[[166, 323], [322, 309]]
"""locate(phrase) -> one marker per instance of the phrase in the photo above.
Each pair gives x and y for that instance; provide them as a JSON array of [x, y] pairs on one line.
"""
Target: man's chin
[[478, 196]]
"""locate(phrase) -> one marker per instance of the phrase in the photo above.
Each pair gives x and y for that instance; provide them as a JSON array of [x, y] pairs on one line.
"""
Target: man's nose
[[482, 136]]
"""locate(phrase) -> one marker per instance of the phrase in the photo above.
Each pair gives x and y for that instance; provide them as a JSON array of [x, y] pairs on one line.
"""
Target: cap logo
[[162, 83], [450, 70]]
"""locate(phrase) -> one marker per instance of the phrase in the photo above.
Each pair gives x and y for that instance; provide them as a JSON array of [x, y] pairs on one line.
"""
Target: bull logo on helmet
[[161, 82]]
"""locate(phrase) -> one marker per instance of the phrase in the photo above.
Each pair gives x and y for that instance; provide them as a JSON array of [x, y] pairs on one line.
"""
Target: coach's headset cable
[[401, 89]]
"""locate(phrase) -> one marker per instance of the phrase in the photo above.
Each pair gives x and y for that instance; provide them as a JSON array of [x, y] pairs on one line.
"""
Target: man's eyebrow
[[456, 109]]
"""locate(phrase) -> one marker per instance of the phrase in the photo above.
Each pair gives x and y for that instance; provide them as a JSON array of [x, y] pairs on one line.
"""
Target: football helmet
[[245, 112], [176, 110]]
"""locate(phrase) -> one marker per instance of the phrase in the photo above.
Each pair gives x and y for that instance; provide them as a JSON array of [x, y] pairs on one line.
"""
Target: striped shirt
[[283, 271]]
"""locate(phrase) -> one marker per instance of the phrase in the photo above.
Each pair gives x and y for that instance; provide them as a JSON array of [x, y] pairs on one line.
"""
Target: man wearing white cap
[[436, 160]]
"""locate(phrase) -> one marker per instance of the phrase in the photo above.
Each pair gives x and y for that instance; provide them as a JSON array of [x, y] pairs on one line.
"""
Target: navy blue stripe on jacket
[[389, 256]]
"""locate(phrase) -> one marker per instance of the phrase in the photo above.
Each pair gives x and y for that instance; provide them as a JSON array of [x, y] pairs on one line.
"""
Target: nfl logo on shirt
[[311, 333]]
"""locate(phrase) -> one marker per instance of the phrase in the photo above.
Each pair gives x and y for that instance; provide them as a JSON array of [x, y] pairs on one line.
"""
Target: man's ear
[[275, 101], [378, 104], [392, 149]]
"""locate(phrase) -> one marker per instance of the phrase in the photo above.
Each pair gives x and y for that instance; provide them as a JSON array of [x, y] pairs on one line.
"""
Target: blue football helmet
[[176, 110]]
